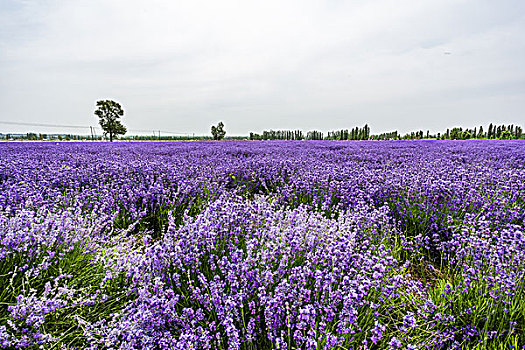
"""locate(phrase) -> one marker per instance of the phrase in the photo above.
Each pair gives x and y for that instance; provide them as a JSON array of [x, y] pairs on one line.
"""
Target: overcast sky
[[182, 66]]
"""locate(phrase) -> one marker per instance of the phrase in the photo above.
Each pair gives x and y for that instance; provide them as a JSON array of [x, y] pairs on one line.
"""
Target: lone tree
[[218, 131], [109, 113]]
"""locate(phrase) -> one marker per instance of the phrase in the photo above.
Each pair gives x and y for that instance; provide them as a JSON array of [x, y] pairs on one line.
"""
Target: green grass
[[80, 273]]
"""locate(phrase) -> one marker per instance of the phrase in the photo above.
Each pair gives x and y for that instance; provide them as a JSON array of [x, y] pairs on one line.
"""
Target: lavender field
[[262, 245]]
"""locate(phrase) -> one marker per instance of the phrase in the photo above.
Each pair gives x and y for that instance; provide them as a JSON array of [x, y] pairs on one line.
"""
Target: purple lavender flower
[[287, 244]]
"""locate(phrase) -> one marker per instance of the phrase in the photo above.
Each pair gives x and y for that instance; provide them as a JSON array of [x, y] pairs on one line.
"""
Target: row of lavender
[[260, 245]]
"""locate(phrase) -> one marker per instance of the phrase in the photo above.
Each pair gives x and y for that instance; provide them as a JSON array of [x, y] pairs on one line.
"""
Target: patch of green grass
[[73, 269]]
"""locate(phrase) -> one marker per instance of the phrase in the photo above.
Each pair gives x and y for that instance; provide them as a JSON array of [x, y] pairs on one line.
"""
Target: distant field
[[263, 245]]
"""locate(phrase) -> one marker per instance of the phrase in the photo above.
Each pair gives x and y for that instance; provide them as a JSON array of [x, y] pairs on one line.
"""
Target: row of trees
[[393, 135], [314, 135], [505, 132], [499, 132], [287, 135], [356, 133], [278, 135], [494, 132]]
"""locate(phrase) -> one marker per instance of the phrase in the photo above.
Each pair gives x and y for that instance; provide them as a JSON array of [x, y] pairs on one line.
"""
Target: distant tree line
[[314, 135], [502, 132], [417, 135], [494, 132], [278, 135], [356, 133], [393, 135]]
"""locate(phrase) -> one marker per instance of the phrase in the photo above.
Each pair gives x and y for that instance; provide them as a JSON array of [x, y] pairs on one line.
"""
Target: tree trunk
[[110, 137]]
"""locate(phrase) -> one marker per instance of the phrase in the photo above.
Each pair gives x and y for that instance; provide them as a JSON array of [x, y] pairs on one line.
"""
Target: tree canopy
[[109, 113], [218, 131]]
